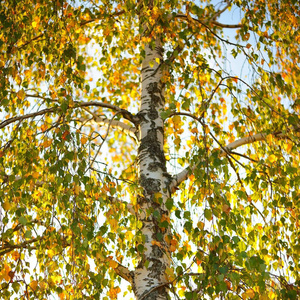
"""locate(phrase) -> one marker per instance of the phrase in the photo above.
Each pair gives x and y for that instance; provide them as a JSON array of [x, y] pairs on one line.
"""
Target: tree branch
[[7, 247], [126, 114], [98, 19], [122, 271], [218, 24], [253, 138], [183, 175], [219, 12], [130, 130], [206, 24], [115, 200], [225, 150]]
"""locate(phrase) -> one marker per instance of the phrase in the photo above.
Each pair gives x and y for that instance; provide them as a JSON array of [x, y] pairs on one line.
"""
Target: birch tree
[[149, 142]]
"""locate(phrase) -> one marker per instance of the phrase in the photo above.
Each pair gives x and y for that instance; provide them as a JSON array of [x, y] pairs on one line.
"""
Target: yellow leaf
[[249, 294], [288, 147], [35, 175], [189, 143], [113, 264], [83, 140], [33, 284], [128, 235], [51, 253], [18, 80], [44, 127], [6, 205], [200, 225], [272, 158], [177, 141], [35, 22], [176, 120], [194, 130], [113, 224], [170, 274], [77, 190], [6, 272], [181, 293], [47, 143], [113, 292], [21, 94], [15, 255]]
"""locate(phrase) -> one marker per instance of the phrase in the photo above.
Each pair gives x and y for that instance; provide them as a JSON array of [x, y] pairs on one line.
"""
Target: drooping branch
[[126, 114], [206, 24]]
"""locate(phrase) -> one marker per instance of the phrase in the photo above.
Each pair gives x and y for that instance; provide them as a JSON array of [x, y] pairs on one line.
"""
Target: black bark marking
[[152, 147], [153, 89], [149, 184]]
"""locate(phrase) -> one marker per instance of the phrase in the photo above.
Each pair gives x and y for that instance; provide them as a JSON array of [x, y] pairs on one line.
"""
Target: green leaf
[[208, 214], [23, 220]]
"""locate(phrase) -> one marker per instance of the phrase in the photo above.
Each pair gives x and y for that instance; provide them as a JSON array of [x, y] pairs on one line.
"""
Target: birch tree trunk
[[149, 277]]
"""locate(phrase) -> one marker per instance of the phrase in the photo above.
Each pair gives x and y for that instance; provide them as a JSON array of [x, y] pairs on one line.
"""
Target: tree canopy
[[149, 142]]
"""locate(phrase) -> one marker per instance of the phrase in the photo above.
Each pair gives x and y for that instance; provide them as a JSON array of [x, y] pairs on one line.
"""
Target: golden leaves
[[6, 205], [113, 292], [113, 264], [47, 143], [35, 23], [34, 284], [170, 274], [272, 158], [113, 224], [83, 140], [176, 121], [6, 273], [249, 294]]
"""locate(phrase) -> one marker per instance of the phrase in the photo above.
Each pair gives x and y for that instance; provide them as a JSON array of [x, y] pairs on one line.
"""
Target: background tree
[[155, 142]]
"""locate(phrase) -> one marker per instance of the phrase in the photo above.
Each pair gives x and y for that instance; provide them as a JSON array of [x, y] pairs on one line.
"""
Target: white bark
[[149, 276], [249, 140]]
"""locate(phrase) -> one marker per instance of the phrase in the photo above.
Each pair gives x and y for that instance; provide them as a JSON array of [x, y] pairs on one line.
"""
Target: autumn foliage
[[149, 139]]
